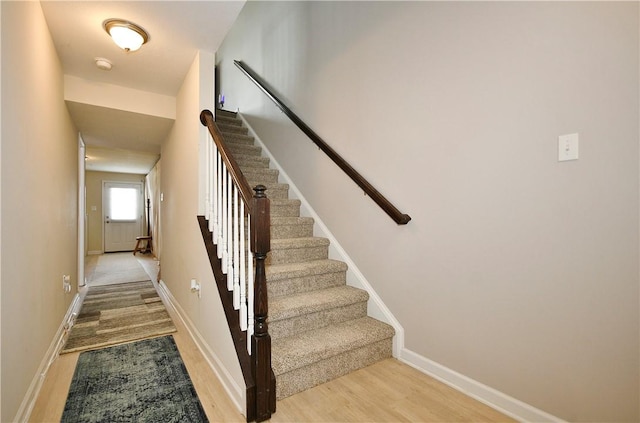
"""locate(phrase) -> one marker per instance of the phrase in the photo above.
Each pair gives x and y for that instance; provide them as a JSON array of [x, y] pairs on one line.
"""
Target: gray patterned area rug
[[114, 314], [143, 381]]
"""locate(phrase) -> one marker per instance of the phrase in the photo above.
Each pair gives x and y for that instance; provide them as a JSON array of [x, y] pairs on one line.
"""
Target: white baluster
[[229, 232], [250, 278], [236, 249], [213, 224], [207, 177], [219, 208], [243, 271], [225, 217]]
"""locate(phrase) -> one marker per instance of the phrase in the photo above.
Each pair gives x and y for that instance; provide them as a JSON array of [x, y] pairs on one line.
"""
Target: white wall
[[183, 253], [39, 199], [517, 271]]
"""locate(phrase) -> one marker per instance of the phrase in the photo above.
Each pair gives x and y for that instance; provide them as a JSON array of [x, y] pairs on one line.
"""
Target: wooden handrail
[[399, 217], [206, 118]]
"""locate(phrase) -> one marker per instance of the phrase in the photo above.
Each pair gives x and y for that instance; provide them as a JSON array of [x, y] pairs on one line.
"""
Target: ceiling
[[118, 140]]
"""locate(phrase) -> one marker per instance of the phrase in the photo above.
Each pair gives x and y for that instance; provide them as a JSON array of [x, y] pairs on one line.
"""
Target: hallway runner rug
[[115, 314], [144, 381]]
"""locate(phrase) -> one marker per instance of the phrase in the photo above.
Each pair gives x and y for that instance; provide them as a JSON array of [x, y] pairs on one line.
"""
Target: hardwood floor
[[388, 391]]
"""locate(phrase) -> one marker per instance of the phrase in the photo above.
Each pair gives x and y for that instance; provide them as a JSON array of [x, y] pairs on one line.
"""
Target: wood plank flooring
[[388, 391]]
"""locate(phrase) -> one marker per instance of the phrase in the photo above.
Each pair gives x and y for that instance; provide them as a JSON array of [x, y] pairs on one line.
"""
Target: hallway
[[51, 401], [388, 391]]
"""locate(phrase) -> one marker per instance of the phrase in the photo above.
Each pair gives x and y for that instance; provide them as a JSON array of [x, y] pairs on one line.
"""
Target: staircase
[[318, 325]]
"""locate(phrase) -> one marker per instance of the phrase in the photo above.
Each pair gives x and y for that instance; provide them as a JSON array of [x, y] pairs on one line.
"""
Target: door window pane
[[123, 204]]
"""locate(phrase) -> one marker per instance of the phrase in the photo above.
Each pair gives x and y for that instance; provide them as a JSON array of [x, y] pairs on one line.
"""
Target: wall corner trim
[[229, 385], [495, 399], [26, 407]]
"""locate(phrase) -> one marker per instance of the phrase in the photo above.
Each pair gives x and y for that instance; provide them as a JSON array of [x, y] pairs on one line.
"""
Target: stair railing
[[236, 231], [398, 217]]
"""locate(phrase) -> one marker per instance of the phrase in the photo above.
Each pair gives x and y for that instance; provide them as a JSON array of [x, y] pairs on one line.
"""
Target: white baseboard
[[485, 394], [94, 252], [235, 392], [26, 407], [375, 306]]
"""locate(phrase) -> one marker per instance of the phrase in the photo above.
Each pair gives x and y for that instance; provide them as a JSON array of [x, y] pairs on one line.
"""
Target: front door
[[123, 212]]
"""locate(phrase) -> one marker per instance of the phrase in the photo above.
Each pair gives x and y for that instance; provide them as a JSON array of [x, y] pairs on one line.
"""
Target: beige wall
[[93, 183], [183, 254], [39, 199], [517, 271]]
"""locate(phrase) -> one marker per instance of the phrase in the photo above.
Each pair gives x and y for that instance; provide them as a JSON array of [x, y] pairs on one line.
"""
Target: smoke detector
[[103, 64]]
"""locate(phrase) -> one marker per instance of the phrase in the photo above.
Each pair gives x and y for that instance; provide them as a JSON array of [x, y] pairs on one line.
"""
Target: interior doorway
[[123, 213]]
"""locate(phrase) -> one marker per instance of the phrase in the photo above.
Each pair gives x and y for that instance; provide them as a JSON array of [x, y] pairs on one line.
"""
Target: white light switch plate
[[568, 147]]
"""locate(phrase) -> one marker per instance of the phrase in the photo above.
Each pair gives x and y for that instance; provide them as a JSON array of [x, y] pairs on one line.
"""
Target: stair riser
[[226, 113], [251, 161], [263, 176], [238, 141], [297, 255], [302, 284], [307, 377], [291, 231], [228, 120], [232, 129], [279, 192], [249, 150], [291, 326], [285, 210]]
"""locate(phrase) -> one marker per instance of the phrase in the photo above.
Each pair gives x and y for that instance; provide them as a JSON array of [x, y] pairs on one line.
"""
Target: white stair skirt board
[[235, 392], [26, 407], [485, 394], [375, 307]]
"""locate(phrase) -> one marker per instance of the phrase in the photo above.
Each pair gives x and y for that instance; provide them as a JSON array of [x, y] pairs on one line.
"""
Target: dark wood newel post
[[261, 340]]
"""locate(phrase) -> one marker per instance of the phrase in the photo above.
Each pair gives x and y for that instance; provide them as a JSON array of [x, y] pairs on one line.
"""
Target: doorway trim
[[82, 212]]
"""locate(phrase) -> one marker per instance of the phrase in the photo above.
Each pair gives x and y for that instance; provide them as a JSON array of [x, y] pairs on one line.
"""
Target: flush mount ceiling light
[[127, 35]]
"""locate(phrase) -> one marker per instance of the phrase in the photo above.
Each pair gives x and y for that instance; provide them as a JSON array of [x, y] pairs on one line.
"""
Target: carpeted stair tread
[[289, 306], [291, 220], [293, 278], [241, 139], [284, 207], [295, 250], [277, 272], [226, 113], [227, 128], [248, 161], [303, 349], [291, 227], [263, 175], [274, 189], [309, 311], [273, 186], [249, 150], [228, 120], [303, 242]]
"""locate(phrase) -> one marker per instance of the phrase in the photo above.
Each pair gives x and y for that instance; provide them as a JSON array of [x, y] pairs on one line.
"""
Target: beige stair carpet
[[319, 326]]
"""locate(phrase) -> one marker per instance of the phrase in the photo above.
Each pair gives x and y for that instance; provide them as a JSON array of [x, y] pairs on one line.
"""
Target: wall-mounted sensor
[[103, 64]]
